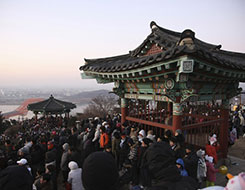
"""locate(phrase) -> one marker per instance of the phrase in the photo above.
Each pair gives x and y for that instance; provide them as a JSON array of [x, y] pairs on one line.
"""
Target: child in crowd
[[212, 147], [201, 167], [180, 165], [211, 171]]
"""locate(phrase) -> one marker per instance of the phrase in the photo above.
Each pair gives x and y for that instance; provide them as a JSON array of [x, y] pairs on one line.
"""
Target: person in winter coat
[[36, 158], [124, 149], [201, 167], [212, 148], [180, 137], [104, 138], [181, 166], [64, 162], [191, 161], [141, 135], [141, 162], [50, 155], [175, 146], [211, 171], [133, 157], [75, 176], [115, 146], [96, 137]]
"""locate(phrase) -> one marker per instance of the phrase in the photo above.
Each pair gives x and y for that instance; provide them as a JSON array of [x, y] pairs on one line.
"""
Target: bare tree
[[101, 106]]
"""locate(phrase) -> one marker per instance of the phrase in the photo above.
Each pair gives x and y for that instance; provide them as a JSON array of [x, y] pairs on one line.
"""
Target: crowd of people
[[103, 154]]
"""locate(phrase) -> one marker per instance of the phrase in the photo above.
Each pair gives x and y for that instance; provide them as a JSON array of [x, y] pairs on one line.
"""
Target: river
[[9, 108]]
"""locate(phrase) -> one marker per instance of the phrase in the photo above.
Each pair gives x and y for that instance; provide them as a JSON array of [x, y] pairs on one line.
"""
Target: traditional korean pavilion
[[174, 81], [51, 106]]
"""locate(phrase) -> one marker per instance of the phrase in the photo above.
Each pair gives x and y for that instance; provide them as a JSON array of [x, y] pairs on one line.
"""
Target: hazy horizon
[[43, 43]]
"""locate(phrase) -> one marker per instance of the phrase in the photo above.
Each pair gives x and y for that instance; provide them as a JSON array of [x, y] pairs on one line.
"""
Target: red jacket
[[104, 139], [211, 172], [212, 151]]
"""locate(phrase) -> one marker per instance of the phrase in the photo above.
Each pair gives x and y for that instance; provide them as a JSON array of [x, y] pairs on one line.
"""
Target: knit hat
[[22, 161], [104, 123], [212, 140], [65, 146], [100, 172], [72, 165], [200, 153], [236, 183], [142, 133], [178, 131], [209, 158]]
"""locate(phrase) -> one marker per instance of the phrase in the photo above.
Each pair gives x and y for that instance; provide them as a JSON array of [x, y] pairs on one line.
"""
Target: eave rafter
[[219, 72], [153, 71]]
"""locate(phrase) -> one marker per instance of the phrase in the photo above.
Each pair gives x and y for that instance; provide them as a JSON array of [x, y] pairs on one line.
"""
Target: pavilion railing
[[197, 134], [190, 119], [141, 110]]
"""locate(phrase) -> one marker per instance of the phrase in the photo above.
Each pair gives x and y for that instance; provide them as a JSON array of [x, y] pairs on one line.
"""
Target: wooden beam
[[151, 123], [207, 123]]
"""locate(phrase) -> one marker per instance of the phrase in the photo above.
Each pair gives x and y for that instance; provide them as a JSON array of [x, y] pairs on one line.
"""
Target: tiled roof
[[51, 105], [170, 42]]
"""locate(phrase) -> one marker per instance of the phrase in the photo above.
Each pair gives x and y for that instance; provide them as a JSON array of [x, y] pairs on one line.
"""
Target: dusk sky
[[43, 43]]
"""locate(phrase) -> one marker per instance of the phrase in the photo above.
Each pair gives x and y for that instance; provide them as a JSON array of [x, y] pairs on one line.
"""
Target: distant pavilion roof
[[51, 105], [171, 45]]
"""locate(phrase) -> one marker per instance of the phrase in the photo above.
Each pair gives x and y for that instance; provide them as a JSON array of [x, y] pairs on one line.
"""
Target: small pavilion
[[174, 80], [51, 106]]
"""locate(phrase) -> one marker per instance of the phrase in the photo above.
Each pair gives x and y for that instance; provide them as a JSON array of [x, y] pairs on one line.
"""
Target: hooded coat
[[211, 172], [182, 170], [75, 176], [201, 167], [65, 158]]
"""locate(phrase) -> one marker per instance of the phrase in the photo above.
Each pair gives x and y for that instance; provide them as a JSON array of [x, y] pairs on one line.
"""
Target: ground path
[[235, 161]]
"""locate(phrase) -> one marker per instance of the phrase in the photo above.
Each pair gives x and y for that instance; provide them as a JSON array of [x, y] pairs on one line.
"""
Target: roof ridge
[[48, 102]]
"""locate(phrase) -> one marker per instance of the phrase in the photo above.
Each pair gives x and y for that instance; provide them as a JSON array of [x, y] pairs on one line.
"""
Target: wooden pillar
[[177, 115], [224, 127], [123, 110], [170, 109]]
